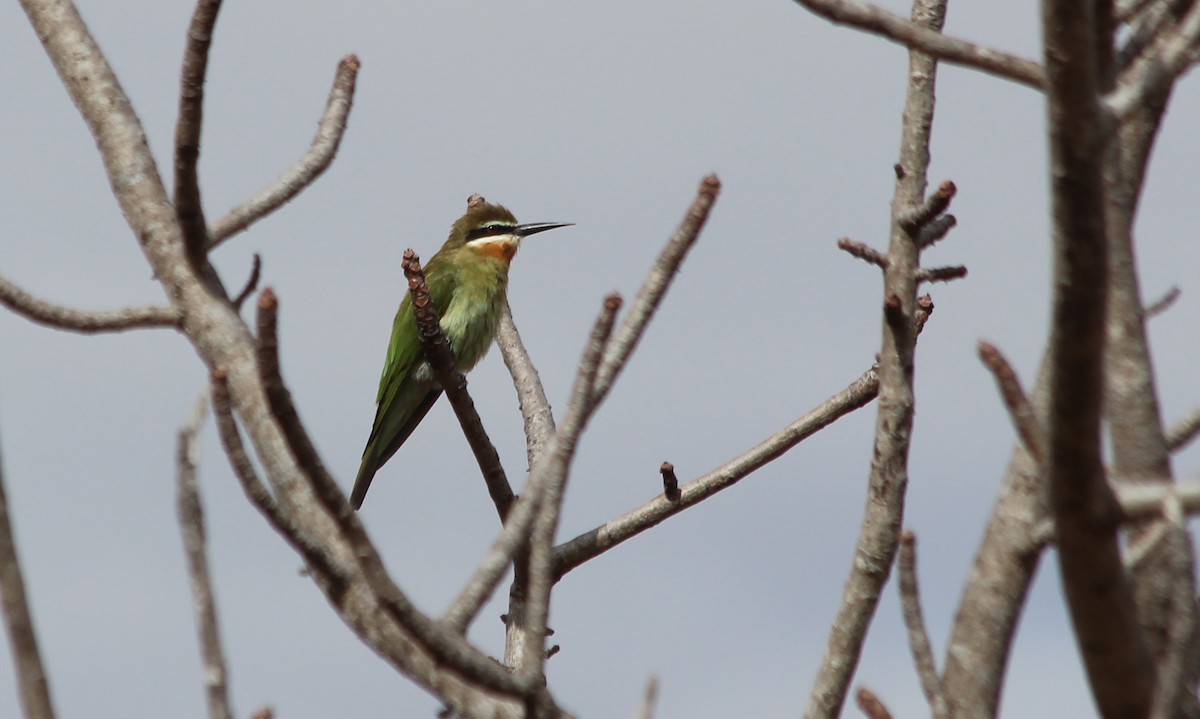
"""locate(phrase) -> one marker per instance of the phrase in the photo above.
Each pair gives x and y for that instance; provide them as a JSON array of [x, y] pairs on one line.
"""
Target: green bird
[[468, 281]]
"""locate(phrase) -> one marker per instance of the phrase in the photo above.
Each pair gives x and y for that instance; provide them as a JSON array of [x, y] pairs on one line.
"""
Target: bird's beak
[[535, 227]]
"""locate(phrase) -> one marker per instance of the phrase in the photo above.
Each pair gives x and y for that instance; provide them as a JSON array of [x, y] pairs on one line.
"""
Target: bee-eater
[[468, 281]]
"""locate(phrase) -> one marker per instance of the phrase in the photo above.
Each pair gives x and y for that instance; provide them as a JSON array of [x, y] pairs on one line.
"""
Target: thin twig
[[863, 252], [1164, 303], [941, 274], [935, 230], [871, 705], [665, 268], [88, 322], [873, 19], [437, 352], [32, 681], [918, 637], [917, 218], [251, 282], [1020, 411], [572, 553], [314, 162], [191, 526], [649, 699], [1183, 432], [188, 207], [531, 395]]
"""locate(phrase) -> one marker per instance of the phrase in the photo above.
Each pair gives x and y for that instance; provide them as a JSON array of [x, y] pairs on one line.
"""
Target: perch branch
[[188, 207], [437, 352]]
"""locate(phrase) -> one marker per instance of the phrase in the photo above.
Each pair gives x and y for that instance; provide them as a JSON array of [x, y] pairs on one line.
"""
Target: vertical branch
[[1085, 512], [879, 536], [27, 659], [191, 525], [187, 130]]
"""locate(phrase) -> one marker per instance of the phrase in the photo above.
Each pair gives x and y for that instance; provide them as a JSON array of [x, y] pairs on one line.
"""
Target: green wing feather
[[407, 389]]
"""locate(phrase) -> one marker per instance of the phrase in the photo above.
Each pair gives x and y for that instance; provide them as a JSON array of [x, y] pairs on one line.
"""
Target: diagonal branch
[[309, 167], [918, 637], [874, 19], [571, 554], [531, 395], [191, 525], [85, 321], [32, 682], [187, 129], [436, 349], [655, 287]]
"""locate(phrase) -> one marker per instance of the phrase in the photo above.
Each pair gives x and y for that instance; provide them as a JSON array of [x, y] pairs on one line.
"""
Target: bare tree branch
[[1098, 592], [917, 218], [1183, 432], [873, 19], [918, 637], [191, 525], [251, 283], [878, 537], [1019, 410], [936, 230], [531, 396], [187, 129], [314, 162], [32, 682], [1162, 304], [595, 542], [655, 287], [85, 321], [1171, 685], [436, 349], [649, 699], [863, 251], [941, 274], [871, 705], [1176, 53], [556, 464]]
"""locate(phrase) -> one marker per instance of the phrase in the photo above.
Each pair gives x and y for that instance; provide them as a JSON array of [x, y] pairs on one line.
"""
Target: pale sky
[[607, 116]]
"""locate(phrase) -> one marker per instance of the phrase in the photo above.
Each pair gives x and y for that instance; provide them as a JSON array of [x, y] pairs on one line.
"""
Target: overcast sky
[[606, 115]]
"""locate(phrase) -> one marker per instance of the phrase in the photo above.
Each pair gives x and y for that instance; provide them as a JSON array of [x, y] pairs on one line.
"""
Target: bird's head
[[491, 230]]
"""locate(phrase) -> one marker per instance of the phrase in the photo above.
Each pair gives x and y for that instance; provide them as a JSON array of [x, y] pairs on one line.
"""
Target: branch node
[[670, 481]]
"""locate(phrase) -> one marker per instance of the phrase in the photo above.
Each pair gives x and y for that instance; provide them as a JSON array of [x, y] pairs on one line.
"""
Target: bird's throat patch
[[501, 248]]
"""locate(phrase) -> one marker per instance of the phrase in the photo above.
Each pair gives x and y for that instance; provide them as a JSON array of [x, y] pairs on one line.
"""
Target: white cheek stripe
[[495, 239]]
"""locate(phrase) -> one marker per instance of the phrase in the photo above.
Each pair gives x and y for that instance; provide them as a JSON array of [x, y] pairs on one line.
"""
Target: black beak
[[535, 227]]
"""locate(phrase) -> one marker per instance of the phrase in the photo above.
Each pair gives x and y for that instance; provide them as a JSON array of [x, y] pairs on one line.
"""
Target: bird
[[468, 282]]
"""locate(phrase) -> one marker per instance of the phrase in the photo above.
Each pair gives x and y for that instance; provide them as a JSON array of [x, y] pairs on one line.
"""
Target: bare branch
[[1182, 433], [314, 162], [863, 251], [918, 637], [588, 545], [251, 283], [531, 396], [191, 525], [649, 699], [437, 352], [1170, 685], [655, 287], [871, 705], [941, 274], [32, 682], [917, 218], [1019, 410], [555, 464], [1175, 55], [873, 19], [1162, 304], [188, 207], [1099, 595], [88, 322], [878, 537], [936, 230]]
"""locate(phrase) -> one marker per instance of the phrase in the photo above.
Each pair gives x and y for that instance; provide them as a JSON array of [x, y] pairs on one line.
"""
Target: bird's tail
[[366, 472]]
